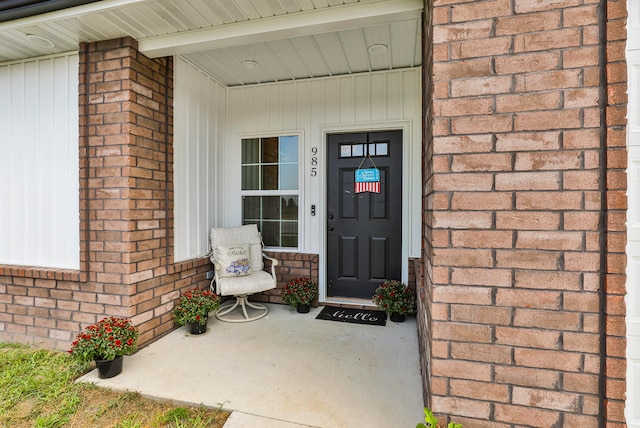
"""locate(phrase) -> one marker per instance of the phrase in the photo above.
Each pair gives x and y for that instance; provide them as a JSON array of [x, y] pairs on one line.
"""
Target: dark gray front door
[[364, 230]]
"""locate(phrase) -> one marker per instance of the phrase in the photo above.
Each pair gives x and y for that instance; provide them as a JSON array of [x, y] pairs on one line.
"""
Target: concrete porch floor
[[284, 371]]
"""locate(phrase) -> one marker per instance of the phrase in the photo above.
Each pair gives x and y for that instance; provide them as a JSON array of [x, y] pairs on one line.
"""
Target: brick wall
[[290, 266], [524, 212]]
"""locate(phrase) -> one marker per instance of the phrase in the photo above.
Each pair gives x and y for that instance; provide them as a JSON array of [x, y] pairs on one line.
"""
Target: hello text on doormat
[[354, 316]]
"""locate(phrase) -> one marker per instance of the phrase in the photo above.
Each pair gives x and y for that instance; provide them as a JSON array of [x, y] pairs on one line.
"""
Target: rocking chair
[[236, 253]]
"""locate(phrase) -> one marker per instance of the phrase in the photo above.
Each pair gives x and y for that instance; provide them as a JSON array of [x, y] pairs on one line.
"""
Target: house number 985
[[314, 161]]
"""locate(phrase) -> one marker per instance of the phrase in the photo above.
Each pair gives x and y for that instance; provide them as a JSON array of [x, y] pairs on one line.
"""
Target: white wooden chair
[[236, 253]]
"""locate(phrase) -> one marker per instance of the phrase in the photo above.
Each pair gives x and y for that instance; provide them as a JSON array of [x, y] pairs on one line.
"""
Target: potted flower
[[193, 308], [395, 298], [299, 293], [106, 343]]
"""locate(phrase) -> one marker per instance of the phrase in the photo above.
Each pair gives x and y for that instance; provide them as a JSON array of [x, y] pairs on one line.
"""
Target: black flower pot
[[109, 368], [197, 328], [396, 317], [303, 309]]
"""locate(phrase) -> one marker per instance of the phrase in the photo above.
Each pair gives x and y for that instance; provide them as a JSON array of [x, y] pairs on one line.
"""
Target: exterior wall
[[524, 221], [39, 162], [290, 266], [199, 127], [312, 108], [126, 211]]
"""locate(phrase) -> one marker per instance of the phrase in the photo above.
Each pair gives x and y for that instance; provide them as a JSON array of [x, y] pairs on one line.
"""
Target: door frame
[[408, 188]]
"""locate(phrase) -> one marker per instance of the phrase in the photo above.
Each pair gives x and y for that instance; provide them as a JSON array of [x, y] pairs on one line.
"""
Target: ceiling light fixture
[[39, 40], [250, 64], [378, 48]]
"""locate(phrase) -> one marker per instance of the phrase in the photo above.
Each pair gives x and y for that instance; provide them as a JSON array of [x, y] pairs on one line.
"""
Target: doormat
[[353, 316]]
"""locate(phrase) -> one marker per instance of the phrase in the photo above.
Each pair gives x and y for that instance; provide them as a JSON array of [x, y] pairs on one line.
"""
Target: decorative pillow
[[233, 260]]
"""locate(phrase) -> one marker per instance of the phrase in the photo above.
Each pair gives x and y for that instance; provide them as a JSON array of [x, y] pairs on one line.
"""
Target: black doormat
[[354, 316]]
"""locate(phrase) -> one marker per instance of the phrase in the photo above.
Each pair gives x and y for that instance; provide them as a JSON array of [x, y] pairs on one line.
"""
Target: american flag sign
[[367, 180]]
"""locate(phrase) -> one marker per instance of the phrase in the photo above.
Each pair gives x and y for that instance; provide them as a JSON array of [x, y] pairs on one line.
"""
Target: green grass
[[37, 389]]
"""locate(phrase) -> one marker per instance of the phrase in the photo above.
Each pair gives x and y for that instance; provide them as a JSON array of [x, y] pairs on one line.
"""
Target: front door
[[364, 230]]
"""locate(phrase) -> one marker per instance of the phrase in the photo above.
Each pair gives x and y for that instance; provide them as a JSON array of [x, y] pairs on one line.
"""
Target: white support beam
[[283, 26]]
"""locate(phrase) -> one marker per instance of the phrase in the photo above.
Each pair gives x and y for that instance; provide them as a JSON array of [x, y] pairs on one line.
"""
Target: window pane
[[250, 151], [289, 177], [289, 149], [345, 151], [290, 234], [372, 149], [250, 208], [290, 207], [358, 150], [269, 177], [271, 207], [271, 233], [381, 149], [251, 177], [270, 150]]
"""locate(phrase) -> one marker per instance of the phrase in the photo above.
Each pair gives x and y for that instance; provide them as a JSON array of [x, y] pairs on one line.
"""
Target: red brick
[[526, 416], [549, 200], [555, 320], [545, 359], [481, 352], [527, 337], [480, 314], [462, 31], [528, 181], [481, 86], [462, 294], [481, 48], [523, 220], [479, 276], [480, 124], [462, 144], [528, 102], [480, 390], [532, 121], [546, 399], [528, 141], [461, 406], [461, 369], [464, 332], [511, 375], [528, 298], [516, 24], [482, 239], [549, 240], [527, 259]]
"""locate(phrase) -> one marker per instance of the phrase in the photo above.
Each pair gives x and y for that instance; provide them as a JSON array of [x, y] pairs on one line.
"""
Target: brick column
[[126, 102], [517, 237]]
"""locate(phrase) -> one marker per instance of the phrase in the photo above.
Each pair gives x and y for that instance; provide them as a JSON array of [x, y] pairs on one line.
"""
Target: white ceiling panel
[[288, 39]]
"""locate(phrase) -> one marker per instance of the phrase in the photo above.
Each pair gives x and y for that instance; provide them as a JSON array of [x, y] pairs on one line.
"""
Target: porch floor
[[285, 370]]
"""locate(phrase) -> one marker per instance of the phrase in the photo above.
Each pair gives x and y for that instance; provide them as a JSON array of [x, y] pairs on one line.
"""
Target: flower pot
[[303, 309], [396, 317], [109, 368], [197, 328]]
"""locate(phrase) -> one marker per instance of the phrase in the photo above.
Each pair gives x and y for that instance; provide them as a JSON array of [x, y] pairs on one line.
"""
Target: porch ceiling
[[285, 39]]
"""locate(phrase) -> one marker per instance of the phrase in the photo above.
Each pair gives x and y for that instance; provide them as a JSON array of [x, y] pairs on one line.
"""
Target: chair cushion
[[239, 235], [233, 260], [249, 284]]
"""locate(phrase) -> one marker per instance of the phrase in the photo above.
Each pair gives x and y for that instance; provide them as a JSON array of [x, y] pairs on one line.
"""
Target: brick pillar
[[126, 102], [516, 234]]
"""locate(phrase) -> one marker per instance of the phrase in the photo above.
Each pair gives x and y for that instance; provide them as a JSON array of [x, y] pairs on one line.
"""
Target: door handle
[[330, 216], [330, 228]]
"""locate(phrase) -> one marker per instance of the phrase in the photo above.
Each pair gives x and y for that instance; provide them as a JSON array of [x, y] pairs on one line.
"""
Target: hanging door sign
[[367, 179]]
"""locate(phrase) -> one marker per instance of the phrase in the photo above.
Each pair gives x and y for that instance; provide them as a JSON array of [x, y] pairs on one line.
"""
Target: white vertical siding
[[381, 100], [39, 166], [632, 410], [198, 125]]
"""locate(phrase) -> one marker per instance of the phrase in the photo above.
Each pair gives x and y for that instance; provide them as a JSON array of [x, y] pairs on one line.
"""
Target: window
[[270, 188]]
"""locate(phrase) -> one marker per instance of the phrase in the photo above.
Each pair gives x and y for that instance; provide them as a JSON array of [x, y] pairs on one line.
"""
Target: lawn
[[37, 389]]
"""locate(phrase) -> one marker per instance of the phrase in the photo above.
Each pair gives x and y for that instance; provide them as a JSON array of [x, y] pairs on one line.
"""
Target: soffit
[[288, 39]]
